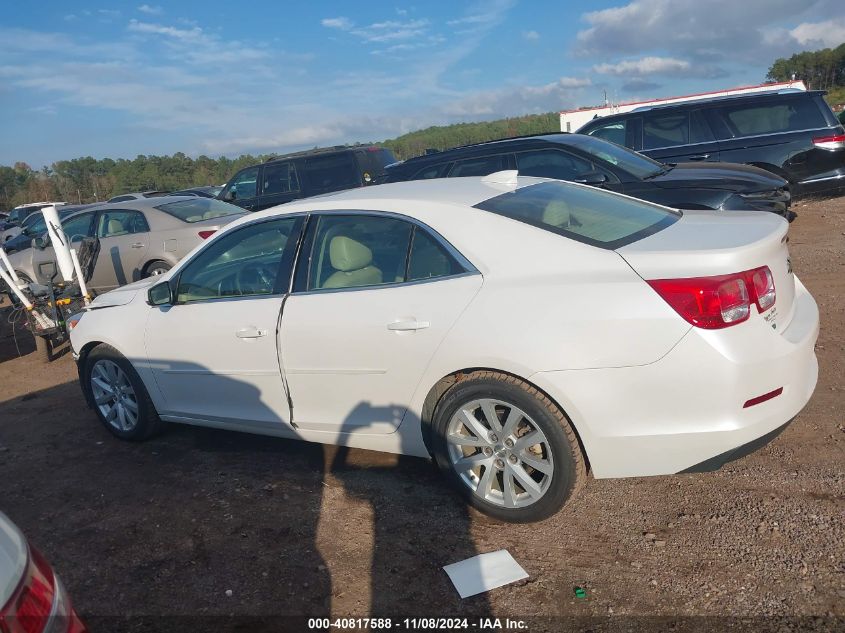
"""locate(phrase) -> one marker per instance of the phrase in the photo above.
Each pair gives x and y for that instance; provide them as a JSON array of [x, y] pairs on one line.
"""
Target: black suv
[[596, 162], [304, 174], [791, 133]]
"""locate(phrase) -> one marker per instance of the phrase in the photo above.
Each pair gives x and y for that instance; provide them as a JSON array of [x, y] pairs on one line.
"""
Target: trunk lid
[[705, 244]]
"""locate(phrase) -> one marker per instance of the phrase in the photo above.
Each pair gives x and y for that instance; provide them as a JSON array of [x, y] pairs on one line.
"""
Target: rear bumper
[[686, 409]]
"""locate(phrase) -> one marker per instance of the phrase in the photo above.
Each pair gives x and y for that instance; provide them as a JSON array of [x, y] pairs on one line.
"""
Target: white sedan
[[518, 330]]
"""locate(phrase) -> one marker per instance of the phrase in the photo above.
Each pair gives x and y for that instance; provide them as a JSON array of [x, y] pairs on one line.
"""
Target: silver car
[[138, 238]]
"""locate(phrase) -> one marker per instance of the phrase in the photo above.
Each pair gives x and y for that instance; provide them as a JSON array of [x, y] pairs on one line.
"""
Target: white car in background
[[515, 329]]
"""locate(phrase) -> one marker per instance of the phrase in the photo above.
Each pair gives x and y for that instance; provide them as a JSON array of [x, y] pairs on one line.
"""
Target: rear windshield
[[585, 214], [199, 209], [622, 157]]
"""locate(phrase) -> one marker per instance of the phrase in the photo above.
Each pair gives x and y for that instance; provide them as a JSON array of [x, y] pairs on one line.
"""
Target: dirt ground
[[209, 527]]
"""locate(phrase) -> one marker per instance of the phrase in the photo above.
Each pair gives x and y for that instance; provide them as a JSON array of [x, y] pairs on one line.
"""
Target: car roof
[[143, 203], [550, 137], [320, 151]]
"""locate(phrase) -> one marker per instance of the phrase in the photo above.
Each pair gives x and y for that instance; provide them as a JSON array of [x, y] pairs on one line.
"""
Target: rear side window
[[279, 178], [198, 209], [478, 166], [786, 116], [117, 222], [436, 171], [665, 130], [331, 173], [588, 215]]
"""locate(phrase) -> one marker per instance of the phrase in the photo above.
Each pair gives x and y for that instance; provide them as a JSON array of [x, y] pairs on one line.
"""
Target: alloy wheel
[[500, 453], [114, 395]]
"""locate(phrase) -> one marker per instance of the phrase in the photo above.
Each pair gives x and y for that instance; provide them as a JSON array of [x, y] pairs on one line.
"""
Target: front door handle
[[138, 245], [700, 157], [250, 332], [409, 325]]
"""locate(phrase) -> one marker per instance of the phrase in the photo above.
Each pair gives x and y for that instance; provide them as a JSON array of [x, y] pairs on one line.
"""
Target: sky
[[118, 79]]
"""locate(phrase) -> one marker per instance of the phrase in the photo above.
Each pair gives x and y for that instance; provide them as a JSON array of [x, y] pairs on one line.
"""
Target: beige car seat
[[115, 227], [352, 262], [557, 214]]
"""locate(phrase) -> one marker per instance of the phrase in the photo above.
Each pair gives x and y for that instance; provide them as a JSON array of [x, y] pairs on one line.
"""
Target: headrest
[[556, 214], [347, 254], [115, 226]]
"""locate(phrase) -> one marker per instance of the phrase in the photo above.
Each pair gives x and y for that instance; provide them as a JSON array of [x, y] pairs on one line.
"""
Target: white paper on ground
[[484, 572]]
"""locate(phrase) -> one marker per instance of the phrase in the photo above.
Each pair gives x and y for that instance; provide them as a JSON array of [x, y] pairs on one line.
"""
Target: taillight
[[834, 141], [28, 610], [206, 234], [718, 302]]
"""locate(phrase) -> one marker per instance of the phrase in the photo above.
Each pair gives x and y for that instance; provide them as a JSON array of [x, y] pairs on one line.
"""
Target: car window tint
[[331, 173], [78, 227], [613, 132], [435, 171], [478, 166], [791, 115], [358, 250], [244, 185], [121, 222], [198, 209], [665, 130], [254, 260], [700, 131], [279, 178], [429, 259], [549, 163], [585, 214]]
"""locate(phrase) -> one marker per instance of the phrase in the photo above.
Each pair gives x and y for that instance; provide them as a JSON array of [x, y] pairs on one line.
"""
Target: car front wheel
[[507, 447], [119, 397]]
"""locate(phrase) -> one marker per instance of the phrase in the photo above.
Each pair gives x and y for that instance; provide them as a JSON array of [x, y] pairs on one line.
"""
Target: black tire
[[155, 268], [148, 422], [570, 470]]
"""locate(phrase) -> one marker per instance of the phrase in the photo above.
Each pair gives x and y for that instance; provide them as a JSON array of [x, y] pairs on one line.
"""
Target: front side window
[[243, 186], [121, 222], [478, 166], [790, 115], [254, 260], [79, 227], [279, 178], [588, 215], [550, 163], [665, 130]]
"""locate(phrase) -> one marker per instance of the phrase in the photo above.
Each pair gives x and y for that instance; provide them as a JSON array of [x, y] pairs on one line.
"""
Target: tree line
[[819, 70]]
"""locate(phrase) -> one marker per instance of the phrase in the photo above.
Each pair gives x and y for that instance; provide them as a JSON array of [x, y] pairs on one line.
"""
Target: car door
[[678, 136], [279, 184], [242, 190], [371, 305], [124, 239], [214, 352], [75, 229]]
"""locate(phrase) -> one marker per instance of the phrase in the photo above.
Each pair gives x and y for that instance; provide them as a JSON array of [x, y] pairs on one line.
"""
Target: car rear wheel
[[507, 447], [156, 268], [118, 395]]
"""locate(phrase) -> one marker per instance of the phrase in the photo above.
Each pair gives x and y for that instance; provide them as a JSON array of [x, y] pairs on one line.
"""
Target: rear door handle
[[250, 332], [410, 325], [700, 157]]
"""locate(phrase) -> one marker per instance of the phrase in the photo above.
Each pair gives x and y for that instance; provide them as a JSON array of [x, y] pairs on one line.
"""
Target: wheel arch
[[146, 267], [446, 383]]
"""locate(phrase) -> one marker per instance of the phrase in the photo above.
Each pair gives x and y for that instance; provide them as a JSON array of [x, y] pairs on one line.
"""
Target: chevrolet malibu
[[517, 330]]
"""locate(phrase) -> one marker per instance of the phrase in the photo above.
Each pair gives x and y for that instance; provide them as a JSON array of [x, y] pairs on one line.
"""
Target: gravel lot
[[211, 523]]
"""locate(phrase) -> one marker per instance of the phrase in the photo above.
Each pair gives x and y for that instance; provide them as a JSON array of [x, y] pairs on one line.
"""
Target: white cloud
[[151, 9], [531, 36], [200, 47], [194, 33], [516, 100], [344, 24], [827, 34], [645, 66]]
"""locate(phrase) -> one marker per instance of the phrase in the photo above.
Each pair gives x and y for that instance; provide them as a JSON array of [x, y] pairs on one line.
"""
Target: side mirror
[[160, 295], [591, 178], [40, 242], [229, 195]]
